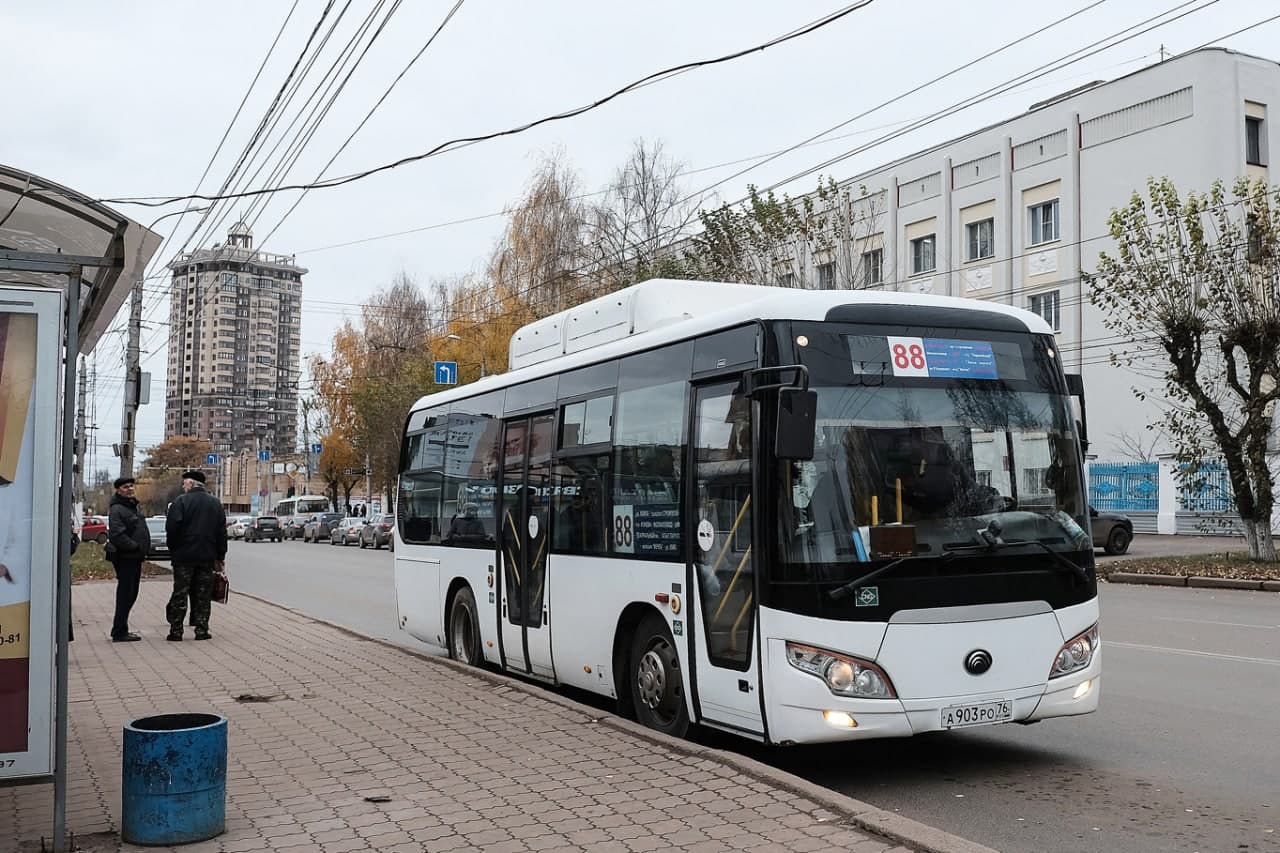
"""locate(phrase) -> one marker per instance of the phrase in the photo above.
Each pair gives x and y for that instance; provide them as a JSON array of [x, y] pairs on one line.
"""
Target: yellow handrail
[[728, 540], [724, 599], [733, 632]]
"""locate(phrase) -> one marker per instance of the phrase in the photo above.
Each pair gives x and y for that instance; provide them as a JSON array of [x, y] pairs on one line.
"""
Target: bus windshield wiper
[[848, 589], [993, 542]]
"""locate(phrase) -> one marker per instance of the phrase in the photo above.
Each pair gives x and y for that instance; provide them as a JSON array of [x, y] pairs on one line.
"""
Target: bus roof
[[661, 311]]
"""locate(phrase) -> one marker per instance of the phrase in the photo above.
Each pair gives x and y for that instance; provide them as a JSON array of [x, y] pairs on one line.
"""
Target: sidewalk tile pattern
[[464, 762]]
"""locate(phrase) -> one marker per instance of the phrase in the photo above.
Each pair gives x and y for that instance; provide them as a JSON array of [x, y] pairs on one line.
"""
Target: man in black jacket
[[128, 541], [197, 530]]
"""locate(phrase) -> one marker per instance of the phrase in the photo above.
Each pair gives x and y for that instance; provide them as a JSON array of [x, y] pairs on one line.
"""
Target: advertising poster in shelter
[[28, 421]]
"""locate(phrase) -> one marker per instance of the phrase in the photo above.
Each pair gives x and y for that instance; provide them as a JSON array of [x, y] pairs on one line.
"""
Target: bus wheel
[[657, 683], [464, 628]]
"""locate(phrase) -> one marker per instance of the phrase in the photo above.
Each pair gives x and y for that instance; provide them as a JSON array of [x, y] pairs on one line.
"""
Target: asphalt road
[[1183, 755]]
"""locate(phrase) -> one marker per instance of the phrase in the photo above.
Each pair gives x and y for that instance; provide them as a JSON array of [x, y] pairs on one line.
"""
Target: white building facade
[[1017, 211]]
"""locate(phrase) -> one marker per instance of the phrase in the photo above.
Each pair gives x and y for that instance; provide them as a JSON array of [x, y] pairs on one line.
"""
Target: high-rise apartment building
[[234, 346]]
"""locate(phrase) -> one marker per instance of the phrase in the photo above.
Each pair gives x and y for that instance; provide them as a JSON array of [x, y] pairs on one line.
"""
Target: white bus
[[293, 512], [795, 515]]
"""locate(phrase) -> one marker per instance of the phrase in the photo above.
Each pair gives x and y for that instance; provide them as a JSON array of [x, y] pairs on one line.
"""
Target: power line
[[343, 147], [985, 96], [158, 201]]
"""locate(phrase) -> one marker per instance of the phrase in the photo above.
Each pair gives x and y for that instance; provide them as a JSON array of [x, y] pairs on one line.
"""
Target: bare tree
[[644, 214], [815, 241], [535, 261], [1133, 446]]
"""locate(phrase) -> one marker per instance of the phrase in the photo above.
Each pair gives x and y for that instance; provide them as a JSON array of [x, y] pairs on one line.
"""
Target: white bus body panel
[[925, 664], [417, 575], [585, 613]]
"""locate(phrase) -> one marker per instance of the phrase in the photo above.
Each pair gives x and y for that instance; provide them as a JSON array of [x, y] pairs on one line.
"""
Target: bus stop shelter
[[67, 264]]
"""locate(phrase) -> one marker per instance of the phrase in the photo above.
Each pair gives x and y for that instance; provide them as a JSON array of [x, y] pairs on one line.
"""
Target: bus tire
[[657, 681], [464, 628]]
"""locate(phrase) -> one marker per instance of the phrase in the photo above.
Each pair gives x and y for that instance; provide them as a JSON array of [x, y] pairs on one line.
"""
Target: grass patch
[[1229, 564], [89, 564]]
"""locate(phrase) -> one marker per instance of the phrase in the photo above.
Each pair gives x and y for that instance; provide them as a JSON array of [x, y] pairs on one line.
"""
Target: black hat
[[198, 476], [123, 481]]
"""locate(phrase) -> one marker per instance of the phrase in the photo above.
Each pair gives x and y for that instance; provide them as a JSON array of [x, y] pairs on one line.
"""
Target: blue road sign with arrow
[[211, 459], [264, 455], [446, 373]]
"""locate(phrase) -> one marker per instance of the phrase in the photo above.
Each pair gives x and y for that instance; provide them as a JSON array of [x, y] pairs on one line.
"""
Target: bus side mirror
[[796, 423], [1075, 387]]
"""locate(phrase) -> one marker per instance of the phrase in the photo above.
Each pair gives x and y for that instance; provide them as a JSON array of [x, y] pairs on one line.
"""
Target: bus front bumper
[[812, 714]]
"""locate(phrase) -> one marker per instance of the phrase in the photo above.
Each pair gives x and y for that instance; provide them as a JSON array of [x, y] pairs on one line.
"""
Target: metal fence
[[1125, 486], [1207, 489]]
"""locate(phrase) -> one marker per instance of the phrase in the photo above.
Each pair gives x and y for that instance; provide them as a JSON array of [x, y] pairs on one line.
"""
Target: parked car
[[346, 532], [94, 529], [159, 539], [237, 525], [263, 528], [1112, 531], [378, 531], [319, 525]]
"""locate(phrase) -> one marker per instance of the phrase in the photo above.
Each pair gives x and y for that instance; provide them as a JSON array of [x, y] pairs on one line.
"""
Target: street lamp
[[459, 338]]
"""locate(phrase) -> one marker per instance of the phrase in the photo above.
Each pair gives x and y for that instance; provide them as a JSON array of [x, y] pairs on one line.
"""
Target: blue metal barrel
[[174, 779]]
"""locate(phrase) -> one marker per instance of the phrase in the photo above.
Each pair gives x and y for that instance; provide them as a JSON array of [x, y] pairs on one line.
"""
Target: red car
[[94, 529]]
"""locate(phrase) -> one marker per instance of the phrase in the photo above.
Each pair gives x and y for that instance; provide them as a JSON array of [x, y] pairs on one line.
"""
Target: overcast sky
[[131, 99]]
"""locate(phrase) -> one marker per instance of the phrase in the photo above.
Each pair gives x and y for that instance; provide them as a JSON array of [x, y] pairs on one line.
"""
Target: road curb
[[1192, 581], [920, 837]]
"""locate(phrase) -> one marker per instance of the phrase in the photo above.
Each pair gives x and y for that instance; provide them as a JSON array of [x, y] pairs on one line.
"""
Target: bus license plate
[[978, 714]]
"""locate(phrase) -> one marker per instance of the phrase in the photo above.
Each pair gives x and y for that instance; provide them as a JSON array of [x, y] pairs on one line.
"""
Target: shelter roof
[[40, 216]]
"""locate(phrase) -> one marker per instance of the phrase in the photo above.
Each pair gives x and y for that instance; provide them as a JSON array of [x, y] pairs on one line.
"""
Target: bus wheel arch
[[648, 667], [462, 624]]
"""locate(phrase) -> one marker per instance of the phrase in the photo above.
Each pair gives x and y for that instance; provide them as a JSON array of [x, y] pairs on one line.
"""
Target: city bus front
[[929, 568]]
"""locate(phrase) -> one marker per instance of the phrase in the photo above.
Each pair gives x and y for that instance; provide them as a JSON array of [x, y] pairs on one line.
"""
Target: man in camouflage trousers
[[196, 527]]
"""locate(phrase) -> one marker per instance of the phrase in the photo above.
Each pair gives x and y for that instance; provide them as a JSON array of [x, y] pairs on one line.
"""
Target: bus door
[[525, 542], [724, 630]]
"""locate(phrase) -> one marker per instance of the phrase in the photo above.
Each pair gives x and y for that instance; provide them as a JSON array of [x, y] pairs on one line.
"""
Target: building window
[[827, 276], [787, 279], [922, 254], [980, 240], [1253, 141], [1046, 305], [873, 267], [1044, 222]]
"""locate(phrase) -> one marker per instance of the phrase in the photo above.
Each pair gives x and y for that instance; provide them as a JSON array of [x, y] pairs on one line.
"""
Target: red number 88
[[904, 356]]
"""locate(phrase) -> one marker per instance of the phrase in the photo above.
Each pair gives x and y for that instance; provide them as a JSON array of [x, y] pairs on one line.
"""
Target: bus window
[[582, 514], [471, 473], [421, 498]]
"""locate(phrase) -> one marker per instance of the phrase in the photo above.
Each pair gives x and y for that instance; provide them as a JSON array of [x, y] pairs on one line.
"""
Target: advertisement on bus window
[[29, 335]]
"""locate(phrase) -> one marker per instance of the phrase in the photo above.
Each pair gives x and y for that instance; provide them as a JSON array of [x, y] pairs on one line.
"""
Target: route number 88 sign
[[624, 533], [907, 356]]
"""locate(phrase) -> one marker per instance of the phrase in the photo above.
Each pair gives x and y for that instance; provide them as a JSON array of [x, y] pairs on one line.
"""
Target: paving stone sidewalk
[[468, 760]]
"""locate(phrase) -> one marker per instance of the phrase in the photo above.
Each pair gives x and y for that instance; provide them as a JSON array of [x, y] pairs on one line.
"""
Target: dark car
[[1112, 531], [377, 531], [263, 528], [318, 526], [346, 532], [159, 539], [94, 529]]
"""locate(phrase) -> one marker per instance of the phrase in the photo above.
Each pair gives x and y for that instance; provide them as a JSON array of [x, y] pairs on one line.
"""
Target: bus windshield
[[931, 459]]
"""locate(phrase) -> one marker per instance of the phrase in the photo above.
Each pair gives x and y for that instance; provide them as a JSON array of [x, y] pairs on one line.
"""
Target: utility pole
[[368, 488], [81, 439], [132, 383]]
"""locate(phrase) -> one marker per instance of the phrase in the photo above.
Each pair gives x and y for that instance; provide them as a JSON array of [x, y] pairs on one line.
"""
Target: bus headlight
[[844, 675], [1076, 653]]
